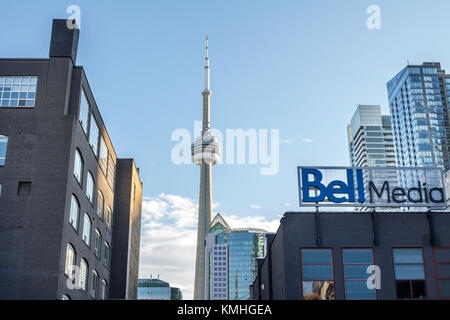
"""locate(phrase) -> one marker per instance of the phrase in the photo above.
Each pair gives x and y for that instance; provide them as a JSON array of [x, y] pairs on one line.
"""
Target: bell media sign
[[372, 187]]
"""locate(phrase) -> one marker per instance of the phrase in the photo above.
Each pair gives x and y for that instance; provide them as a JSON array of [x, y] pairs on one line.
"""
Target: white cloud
[[287, 204], [169, 235], [308, 140], [286, 141], [255, 206]]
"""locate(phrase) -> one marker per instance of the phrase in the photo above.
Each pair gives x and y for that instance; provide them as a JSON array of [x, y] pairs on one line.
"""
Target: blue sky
[[297, 66]]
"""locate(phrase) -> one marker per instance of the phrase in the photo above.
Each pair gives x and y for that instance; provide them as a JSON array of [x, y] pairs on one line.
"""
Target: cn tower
[[205, 153]]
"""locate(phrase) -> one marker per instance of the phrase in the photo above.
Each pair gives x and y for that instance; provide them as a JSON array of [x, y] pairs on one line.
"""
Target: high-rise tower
[[419, 98], [206, 153]]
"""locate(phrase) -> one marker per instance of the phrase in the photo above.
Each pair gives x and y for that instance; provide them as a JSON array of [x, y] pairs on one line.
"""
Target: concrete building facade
[[320, 256], [58, 193], [370, 138]]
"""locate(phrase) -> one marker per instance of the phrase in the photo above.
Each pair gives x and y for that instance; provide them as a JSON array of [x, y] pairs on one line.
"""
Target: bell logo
[[336, 191]]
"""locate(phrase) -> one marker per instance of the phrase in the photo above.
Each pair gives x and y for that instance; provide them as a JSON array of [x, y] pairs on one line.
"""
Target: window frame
[[410, 284], [332, 266], [98, 250], [354, 264], [80, 181], [6, 150], [104, 290], [107, 260], [102, 197], [27, 98], [86, 278], [94, 284], [74, 197], [435, 271], [68, 270], [103, 164], [83, 94], [94, 147], [108, 219], [111, 171], [90, 190], [86, 215]]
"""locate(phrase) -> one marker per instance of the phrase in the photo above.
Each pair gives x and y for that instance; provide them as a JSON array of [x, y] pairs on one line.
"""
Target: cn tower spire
[[207, 66], [205, 153]]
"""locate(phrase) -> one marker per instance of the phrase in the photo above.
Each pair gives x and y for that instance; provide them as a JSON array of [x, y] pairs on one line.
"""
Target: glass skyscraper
[[155, 289], [418, 98], [231, 255]]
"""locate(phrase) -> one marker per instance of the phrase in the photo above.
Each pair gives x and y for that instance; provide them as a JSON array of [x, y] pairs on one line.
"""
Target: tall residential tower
[[419, 97], [205, 153]]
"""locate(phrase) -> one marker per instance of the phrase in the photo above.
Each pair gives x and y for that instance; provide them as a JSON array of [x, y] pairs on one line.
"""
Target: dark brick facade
[[35, 229], [280, 272]]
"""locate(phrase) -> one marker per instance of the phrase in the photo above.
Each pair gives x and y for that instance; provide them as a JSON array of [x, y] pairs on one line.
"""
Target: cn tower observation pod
[[206, 149]]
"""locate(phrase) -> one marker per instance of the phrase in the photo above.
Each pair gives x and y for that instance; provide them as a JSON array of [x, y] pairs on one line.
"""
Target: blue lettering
[[306, 185], [360, 183]]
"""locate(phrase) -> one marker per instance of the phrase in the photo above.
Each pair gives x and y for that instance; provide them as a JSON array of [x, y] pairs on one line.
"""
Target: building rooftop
[[147, 283]]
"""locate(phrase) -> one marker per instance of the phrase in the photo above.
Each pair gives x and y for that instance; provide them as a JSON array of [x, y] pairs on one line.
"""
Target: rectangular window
[[356, 262], [83, 274], [3, 147], [70, 261], [111, 172], [87, 229], [442, 271], [97, 244], [18, 91], [317, 274], [83, 116], [24, 188], [103, 158], [93, 136], [409, 273]]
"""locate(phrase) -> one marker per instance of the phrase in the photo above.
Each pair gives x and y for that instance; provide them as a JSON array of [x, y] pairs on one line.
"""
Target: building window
[[317, 274], [356, 262], [97, 244], [18, 91], [409, 273], [94, 286], [78, 167], [100, 204], [74, 212], [103, 158], [104, 291], [87, 229], [90, 187], [108, 218], [24, 188], [107, 256], [442, 271], [70, 261], [84, 272], [111, 172], [93, 136], [84, 112], [3, 147]]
